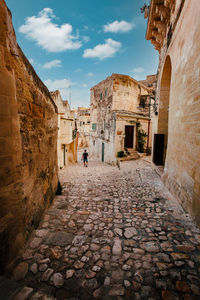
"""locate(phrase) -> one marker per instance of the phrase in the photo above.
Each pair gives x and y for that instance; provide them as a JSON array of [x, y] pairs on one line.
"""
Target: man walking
[[85, 158]]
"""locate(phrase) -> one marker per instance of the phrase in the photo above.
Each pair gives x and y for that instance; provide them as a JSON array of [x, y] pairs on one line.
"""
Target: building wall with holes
[[118, 93]]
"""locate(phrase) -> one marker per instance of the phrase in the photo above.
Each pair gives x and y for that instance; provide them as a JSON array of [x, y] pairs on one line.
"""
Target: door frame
[[132, 136]]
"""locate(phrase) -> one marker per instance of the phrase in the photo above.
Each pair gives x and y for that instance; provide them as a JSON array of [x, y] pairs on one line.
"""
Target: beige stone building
[[67, 141], [174, 29], [83, 125], [118, 105], [28, 145]]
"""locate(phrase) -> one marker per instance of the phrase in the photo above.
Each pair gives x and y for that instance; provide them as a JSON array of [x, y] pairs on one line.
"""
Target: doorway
[[102, 153], [163, 114], [129, 131]]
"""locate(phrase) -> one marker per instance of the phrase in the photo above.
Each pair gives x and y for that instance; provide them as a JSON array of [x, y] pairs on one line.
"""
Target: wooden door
[[129, 130]]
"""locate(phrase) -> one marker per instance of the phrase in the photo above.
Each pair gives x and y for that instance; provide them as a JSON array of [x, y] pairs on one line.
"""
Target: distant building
[[83, 125], [67, 143], [174, 30], [119, 105], [150, 81]]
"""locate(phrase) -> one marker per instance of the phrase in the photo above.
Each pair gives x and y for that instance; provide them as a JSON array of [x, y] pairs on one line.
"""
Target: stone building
[[67, 142], [150, 81], [174, 29], [28, 138], [83, 125], [118, 105]]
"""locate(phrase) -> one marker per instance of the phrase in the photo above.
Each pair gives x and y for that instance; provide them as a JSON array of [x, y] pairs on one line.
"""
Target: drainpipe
[[149, 122]]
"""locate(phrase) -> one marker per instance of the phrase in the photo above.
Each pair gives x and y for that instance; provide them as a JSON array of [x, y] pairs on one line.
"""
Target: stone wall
[[66, 127], [101, 114], [179, 94], [28, 136], [127, 92], [114, 102]]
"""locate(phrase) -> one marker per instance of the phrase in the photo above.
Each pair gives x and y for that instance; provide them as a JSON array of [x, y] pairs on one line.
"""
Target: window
[[94, 125], [106, 91], [142, 101], [101, 96]]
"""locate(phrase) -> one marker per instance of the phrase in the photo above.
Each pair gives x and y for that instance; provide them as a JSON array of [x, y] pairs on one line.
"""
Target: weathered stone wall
[[66, 125], [179, 89], [127, 92], [28, 134], [118, 94], [102, 116], [182, 172], [83, 127]]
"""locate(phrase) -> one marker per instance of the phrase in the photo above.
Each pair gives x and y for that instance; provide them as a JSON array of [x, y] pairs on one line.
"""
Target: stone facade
[[83, 125], [174, 29], [118, 103], [28, 135], [66, 144]]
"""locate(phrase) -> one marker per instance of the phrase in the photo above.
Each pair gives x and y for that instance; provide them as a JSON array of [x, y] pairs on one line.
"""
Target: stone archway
[[164, 104]]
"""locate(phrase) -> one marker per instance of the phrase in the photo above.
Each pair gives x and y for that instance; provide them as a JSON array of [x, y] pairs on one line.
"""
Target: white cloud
[[138, 70], [48, 35], [90, 74], [103, 51], [117, 26], [52, 64], [60, 84]]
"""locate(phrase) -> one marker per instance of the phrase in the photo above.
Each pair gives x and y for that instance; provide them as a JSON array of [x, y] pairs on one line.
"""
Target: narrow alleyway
[[113, 234]]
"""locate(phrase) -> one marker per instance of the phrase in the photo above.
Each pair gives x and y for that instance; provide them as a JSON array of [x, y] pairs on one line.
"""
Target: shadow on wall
[[71, 154], [28, 145]]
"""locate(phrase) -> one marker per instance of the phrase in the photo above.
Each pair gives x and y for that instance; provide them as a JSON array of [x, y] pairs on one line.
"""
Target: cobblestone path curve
[[113, 234]]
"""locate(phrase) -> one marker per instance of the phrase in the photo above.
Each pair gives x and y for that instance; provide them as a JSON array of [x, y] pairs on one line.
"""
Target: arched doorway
[[161, 138]]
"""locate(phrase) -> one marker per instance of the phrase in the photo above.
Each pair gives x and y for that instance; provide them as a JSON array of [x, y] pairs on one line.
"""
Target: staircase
[[133, 155]]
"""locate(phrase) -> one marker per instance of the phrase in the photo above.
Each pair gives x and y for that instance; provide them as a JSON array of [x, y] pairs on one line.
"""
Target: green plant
[[120, 154], [141, 135], [142, 9]]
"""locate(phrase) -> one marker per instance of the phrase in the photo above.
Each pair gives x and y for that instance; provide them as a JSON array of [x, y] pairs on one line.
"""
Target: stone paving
[[113, 234]]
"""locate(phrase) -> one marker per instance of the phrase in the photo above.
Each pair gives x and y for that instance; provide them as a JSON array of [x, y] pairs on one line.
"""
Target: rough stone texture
[[115, 104], [23, 294], [20, 271], [93, 264], [28, 135], [66, 145], [178, 93]]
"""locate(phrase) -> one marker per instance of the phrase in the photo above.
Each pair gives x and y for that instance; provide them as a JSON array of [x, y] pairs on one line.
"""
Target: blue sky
[[81, 42]]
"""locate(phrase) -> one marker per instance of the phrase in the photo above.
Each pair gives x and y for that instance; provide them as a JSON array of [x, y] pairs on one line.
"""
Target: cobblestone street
[[113, 234]]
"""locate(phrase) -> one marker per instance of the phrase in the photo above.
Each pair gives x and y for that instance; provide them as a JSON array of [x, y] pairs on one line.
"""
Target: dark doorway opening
[[102, 154], [129, 130], [158, 149]]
